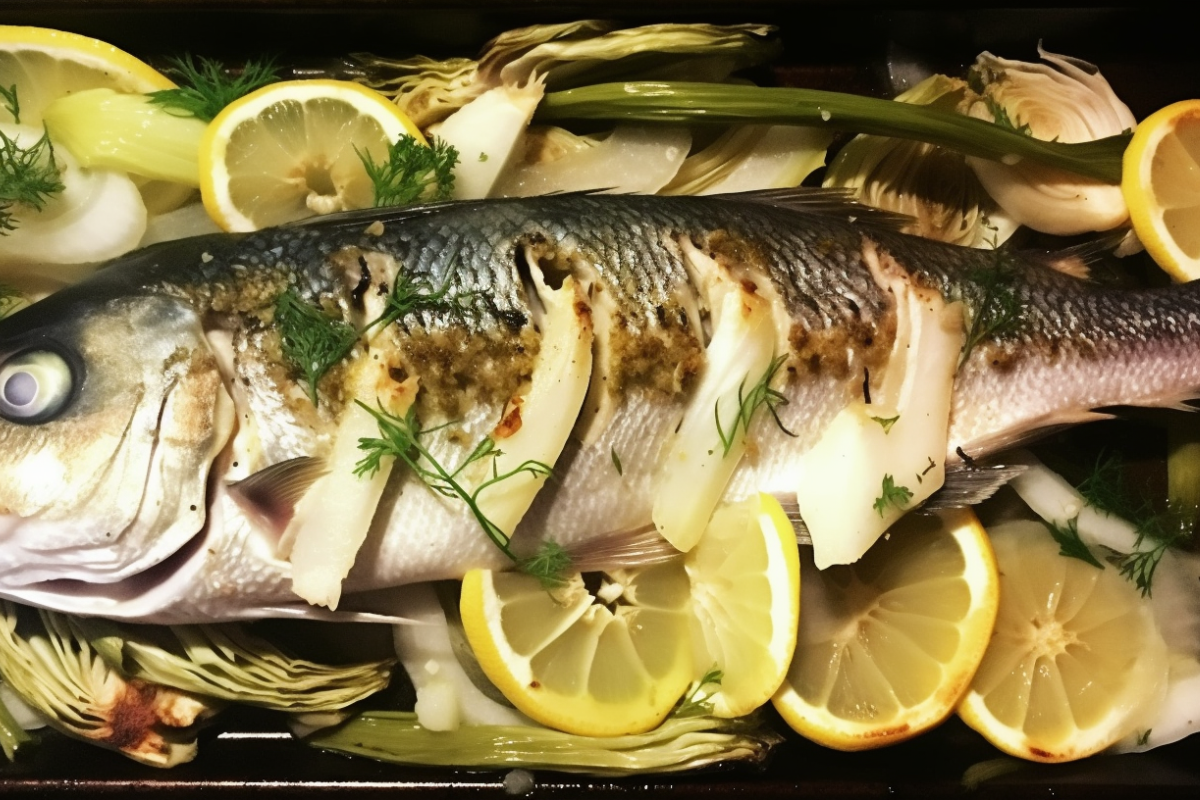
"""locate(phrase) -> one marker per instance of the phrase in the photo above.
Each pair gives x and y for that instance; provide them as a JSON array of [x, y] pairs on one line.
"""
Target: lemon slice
[[596, 664], [46, 64], [888, 645], [1161, 184], [290, 150], [1076, 661], [745, 587], [615, 658]]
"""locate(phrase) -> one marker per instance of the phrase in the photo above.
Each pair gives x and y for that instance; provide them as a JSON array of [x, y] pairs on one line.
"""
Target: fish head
[[112, 411]]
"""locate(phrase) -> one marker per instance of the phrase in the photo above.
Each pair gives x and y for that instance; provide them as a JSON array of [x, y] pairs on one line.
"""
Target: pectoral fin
[[269, 496]]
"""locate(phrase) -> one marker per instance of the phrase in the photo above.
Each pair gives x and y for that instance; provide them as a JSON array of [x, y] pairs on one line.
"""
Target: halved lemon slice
[[887, 645], [291, 150], [597, 661], [745, 587], [1076, 661], [1161, 184], [46, 64]]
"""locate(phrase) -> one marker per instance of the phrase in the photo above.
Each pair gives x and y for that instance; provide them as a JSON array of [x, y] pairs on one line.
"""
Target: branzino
[[133, 401]]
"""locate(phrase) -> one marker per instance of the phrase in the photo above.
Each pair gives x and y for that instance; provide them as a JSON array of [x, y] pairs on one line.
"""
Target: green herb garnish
[[1069, 543], [1139, 566], [11, 103], [892, 495], [312, 340], [1000, 116], [698, 702], [991, 302], [548, 565], [412, 172], [1143, 738], [616, 459], [761, 394], [208, 87], [1103, 490], [10, 300], [409, 295], [886, 423], [399, 437], [29, 177]]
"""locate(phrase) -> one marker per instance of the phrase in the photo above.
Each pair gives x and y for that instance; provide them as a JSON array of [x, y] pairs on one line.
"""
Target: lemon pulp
[[1076, 661], [292, 150], [887, 645]]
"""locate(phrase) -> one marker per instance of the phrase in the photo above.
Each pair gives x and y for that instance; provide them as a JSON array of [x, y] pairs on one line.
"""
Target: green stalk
[[677, 744], [12, 735], [1183, 465], [715, 103]]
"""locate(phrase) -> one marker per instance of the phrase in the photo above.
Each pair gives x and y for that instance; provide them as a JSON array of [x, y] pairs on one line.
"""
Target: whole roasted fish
[[177, 429]]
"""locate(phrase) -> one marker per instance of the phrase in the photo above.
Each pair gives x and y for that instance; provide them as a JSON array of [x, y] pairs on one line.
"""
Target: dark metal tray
[[844, 45]]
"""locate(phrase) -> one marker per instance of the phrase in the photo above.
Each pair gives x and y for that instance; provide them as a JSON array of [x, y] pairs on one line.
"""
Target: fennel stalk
[[707, 103]]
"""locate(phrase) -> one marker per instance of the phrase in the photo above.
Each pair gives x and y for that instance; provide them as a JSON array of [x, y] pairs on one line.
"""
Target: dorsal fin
[[837, 203], [833, 202], [269, 496], [1077, 260]]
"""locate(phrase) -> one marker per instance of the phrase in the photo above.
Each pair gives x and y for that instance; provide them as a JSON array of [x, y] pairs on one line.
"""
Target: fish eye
[[34, 386]]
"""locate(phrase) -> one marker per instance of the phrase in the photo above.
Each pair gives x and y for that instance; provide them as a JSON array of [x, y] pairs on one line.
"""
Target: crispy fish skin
[[196, 318]]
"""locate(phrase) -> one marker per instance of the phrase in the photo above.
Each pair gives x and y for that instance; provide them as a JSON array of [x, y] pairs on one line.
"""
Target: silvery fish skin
[[162, 382]]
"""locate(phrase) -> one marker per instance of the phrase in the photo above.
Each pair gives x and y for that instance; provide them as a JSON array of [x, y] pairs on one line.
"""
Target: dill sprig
[[312, 340], [1139, 566], [409, 295], [208, 87], [11, 102], [698, 701], [29, 176], [549, 565], [11, 299], [1069, 543], [400, 438], [891, 495], [1103, 490], [992, 305], [761, 394], [412, 172]]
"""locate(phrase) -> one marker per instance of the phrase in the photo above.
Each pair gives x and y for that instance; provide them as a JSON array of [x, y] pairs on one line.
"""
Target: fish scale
[[1078, 346]]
